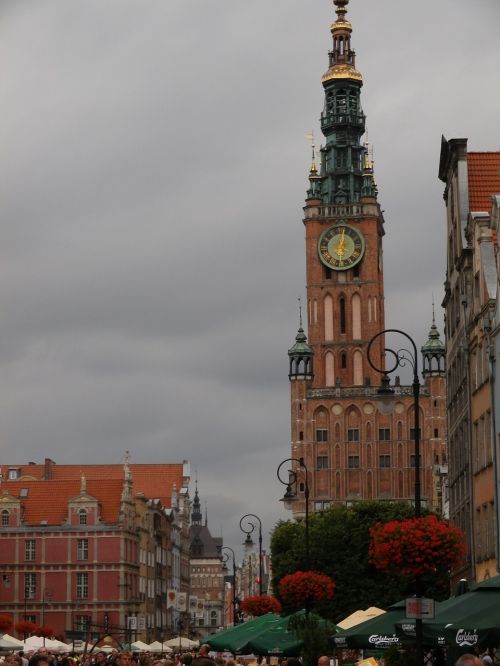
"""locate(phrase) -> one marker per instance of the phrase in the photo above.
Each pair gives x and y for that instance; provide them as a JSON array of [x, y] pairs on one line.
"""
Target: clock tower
[[350, 449]]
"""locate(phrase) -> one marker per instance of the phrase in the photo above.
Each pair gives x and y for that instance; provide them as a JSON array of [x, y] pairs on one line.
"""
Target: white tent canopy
[[359, 616], [36, 642], [159, 647], [182, 642], [139, 646], [10, 639]]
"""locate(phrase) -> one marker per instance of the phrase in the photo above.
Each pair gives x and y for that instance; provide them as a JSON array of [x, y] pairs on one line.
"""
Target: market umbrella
[[279, 638], [360, 616], [464, 621], [236, 638], [139, 646], [181, 642], [13, 641], [379, 632], [156, 646]]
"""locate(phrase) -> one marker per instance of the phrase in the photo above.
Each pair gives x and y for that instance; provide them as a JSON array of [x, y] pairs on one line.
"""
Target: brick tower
[[350, 449]]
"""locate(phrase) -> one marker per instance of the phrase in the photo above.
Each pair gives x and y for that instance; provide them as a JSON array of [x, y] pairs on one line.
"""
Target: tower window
[[328, 273], [355, 271], [322, 462], [343, 360], [342, 315], [353, 462], [385, 461], [353, 435], [384, 434], [322, 435], [301, 436], [436, 432], [413, 433]]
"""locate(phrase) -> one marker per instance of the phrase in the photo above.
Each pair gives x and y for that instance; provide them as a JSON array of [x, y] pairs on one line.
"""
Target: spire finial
[[433, 311], [313, 170], [83, 484], [300, 311]]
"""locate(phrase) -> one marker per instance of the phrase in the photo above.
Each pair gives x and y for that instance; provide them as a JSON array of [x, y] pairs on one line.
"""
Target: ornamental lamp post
[[400, 358], [225, 559], [248, 528], [290, 496]]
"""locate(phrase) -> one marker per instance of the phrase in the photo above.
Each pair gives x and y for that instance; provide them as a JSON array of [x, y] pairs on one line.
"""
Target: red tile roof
[[156, 481], [48, 500], [484, 180]]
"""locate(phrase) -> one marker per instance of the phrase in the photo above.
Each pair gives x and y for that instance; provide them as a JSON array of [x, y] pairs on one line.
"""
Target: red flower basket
[[302, 587], [44, 631], [24, 627], [416, 546], [5, 623], [260, 604]]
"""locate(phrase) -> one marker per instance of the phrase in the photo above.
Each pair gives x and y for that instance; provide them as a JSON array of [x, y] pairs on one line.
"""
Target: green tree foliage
[[339, 543]]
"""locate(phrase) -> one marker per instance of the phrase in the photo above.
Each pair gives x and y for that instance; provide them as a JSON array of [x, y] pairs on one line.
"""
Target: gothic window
[[369, 485], [368, 431], [321, 435], [328, 310], [369, 455], [337, 456], [384, 434], [356, 317], [329, 369], [342, 315], [343, 360], [358, 368]]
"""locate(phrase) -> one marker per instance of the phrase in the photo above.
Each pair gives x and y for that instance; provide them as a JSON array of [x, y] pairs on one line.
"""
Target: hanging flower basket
[[416, 546], [304, 587], [260, 604], [5, 623], [25, 627], [44, 631]]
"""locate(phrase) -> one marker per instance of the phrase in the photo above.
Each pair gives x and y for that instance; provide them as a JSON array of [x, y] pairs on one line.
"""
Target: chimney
[[47, 474]]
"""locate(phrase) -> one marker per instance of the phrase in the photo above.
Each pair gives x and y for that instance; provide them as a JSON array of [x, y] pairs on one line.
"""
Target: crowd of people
[[43, 657]]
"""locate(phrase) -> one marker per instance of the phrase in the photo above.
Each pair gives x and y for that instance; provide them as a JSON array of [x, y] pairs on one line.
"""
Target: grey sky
[[153, 173]]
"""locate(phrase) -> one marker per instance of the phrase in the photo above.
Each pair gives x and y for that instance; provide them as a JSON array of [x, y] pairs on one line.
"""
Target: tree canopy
[[339, 544]]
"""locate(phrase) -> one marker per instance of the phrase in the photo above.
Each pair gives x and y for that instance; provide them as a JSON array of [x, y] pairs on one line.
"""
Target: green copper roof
[[300, 348], [433, 344]]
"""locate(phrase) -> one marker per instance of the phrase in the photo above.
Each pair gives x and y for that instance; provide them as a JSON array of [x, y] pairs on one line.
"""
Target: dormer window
[[14, 473], [5, 518], [82, 517]]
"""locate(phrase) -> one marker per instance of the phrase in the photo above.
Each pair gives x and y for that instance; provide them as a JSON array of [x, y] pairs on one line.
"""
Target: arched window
[[358, 368], [329, 369], [82, 517], [328, 308], [356, 317], [5, 518], [342, 315]]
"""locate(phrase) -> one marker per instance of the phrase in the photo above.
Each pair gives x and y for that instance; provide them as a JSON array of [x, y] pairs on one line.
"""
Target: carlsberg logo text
[[464, 638], [379, 639]]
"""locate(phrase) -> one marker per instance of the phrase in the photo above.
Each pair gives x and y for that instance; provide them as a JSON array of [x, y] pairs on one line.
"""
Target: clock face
[[341, 247]]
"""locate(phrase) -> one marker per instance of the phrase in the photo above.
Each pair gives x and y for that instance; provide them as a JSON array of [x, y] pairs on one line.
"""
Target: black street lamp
[[400, 358], [248, 528], [290, 495], [225, 559]]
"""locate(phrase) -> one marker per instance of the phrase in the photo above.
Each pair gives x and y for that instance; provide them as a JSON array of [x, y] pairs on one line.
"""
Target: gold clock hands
[[340, 249]]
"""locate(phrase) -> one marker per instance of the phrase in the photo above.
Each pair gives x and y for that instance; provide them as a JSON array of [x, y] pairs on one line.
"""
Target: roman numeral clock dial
[[341, 247]]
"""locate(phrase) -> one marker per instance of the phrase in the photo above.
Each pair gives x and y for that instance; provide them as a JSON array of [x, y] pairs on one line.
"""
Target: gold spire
[[313, 170], [341, 56]]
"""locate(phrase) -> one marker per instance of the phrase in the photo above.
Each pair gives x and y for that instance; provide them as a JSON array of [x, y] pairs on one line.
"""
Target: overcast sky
[[154, 168]]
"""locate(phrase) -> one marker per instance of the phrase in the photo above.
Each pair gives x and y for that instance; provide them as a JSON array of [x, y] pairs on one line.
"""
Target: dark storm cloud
[[153, 173]]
